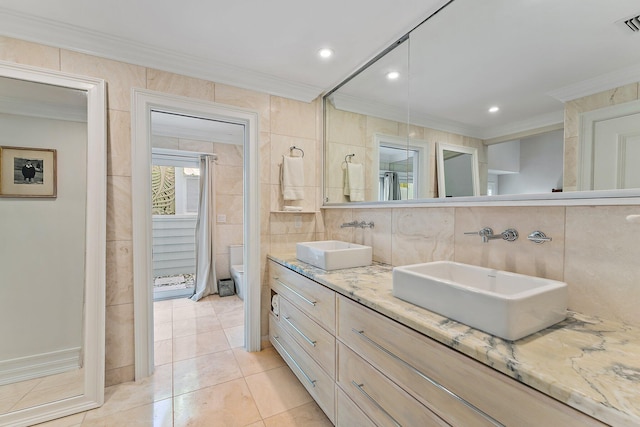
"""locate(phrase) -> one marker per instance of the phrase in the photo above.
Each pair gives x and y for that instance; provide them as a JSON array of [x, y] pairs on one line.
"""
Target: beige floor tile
[[227, 304], [10, 394], [229, 404], [256, 424], [231, 318], [277, 390], [199, 344], [204, 308], [204, 371], [70, 421], [162, 331], [163, 305], [235, 336], [256, 362], [38, 396], [195, 325], [180, 302], [162, 315], [309, 415], [130, 395], [156, 414], [184, 312], [162, 352]]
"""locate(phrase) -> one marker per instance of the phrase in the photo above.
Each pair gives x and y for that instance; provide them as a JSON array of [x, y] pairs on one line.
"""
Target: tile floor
[[204, 377]]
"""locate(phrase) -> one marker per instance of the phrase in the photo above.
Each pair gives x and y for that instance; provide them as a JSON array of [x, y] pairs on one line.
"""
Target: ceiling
[[266, 46]]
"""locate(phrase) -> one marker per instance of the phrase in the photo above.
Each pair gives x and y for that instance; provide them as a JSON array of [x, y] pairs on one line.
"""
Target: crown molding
[[52, 33], [42, 109], [598, 84], [543, 121]]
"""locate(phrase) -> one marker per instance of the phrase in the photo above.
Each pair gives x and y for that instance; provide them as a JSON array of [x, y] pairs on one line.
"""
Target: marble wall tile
[[119, 272], [176, 84], [120, 76], [24, 52], [119, 143], [293, 118], [521, 256], [232, 206], [265, 209], [229, 154], [606, 98], [222, 266], [229, 179], [377, 125], [285, 223], [333, 218], [308, 203], [346, 127], [119, 375], [378, 237], [165, 142], [196, 146], [421, 235], [601, 261], [245, 98], [286, 243], [119, 219], [119, 336], [228, 234], [265, 157], [570, 164]]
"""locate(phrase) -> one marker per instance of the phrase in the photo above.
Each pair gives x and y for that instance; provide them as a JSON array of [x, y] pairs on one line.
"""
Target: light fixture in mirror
[[458, 174], [470, 57], [52, 300]]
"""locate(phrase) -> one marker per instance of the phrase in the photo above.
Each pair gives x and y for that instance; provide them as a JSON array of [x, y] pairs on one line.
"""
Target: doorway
[[144, 104]]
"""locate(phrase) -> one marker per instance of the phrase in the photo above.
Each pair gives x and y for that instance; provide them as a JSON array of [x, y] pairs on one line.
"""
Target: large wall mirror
[[545, 92], [53, 233]]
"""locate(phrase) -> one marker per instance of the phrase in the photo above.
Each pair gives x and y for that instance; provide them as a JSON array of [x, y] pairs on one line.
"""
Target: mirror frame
[[475, 174], [95, 253]]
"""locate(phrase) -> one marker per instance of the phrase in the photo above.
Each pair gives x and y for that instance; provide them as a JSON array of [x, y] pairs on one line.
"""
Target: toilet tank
[[236, 254]]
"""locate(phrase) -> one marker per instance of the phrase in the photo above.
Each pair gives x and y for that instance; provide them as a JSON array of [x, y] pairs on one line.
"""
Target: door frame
[[142, 103], [587, 126]]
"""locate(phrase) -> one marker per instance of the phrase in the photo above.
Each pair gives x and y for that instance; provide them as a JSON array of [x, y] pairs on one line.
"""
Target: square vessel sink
[[334, 254], [507, 305]]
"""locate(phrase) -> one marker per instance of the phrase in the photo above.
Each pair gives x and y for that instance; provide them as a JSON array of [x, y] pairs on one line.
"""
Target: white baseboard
[[39, 365]]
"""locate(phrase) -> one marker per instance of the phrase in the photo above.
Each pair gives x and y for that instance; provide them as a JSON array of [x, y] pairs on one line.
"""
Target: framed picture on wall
[[27, 172]]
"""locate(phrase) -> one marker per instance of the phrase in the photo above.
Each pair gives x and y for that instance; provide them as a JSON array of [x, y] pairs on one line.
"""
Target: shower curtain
[[205, 233], [391, 186]]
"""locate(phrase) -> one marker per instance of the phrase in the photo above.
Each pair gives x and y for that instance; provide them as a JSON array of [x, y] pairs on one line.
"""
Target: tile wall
[[594, 248]]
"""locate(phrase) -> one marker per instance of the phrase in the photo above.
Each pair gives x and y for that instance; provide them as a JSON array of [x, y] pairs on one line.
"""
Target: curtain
[[391, 186], [205, 283]]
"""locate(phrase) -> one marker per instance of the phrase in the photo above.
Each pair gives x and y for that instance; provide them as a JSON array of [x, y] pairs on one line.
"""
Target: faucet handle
[[486, 231], [538, 237]]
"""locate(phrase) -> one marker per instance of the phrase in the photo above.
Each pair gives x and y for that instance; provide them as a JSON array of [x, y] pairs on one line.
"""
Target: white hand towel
[[354, 181], [292, 208], [275, 304], [292, 178]]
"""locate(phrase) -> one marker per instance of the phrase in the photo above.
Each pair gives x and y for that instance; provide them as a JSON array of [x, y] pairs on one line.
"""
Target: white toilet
[[236, 268]]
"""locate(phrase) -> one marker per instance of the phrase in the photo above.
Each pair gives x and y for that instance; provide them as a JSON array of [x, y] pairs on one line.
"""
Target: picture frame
[[28, 172]]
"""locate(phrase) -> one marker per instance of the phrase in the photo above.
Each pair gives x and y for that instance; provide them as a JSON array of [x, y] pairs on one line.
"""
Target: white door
[[616, 148]]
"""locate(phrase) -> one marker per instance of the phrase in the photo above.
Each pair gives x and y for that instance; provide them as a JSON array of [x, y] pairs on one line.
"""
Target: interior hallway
[[204, 377]]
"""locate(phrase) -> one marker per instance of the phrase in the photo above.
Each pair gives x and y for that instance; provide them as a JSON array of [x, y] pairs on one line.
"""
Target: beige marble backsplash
[[594, 249]]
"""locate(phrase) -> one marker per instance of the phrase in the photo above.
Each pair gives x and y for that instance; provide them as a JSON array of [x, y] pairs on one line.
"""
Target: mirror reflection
[[542, 91], [457, 171], [42, 283]]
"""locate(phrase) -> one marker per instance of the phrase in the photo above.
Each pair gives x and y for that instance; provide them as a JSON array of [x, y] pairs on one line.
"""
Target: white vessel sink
[[507, 305], [334, 254]]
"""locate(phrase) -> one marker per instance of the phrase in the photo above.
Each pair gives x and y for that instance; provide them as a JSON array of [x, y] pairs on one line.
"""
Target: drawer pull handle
[[305, 299], [376, 404], [469, 405], [306, 338], [307, 377]]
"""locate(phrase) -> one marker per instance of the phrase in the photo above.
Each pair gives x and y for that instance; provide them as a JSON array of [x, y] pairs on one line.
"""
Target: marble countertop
[[591, 364]]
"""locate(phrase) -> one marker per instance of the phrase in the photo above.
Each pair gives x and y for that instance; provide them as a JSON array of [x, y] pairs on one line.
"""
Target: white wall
[[42, 245], [541, 160]]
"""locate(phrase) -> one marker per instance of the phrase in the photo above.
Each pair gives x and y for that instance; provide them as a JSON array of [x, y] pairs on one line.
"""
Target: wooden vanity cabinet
[[364, 369]]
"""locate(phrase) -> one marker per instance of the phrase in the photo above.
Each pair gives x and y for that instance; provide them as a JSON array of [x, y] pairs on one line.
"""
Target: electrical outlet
[[297, 221], [222, 218]]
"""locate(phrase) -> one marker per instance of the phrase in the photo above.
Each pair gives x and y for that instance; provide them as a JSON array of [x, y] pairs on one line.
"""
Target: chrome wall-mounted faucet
[[349, 224], [510, 234], [361, 224], [538, 237]]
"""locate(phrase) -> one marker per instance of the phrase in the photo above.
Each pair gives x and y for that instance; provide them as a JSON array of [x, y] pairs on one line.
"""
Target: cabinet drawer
[[315, 300], [319, 343], [385, 402], [317, 382], [430, 372], [348, 414]]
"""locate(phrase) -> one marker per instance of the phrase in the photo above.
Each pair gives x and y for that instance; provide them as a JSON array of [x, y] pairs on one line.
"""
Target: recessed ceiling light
[[494, 109], [325, 52], [393, 75]]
